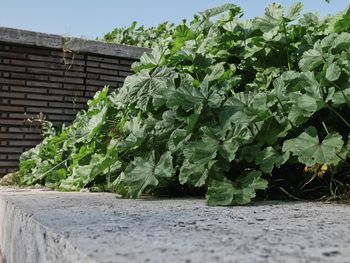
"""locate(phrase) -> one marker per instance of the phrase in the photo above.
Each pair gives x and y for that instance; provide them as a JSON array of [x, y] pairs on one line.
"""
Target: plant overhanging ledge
[[221, 106]]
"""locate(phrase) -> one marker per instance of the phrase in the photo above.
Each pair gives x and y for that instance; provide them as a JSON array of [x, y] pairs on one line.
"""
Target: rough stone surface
[[25, 37], [98, 47], [46, 226]]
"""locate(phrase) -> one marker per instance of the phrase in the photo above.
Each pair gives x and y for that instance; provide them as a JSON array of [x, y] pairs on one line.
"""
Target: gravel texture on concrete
[[45, 226]]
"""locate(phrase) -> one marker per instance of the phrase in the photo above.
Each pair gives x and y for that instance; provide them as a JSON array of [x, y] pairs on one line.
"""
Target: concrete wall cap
[[30, 38]]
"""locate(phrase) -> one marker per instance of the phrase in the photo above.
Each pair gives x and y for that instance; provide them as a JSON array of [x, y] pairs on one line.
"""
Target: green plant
[[141, 36], [223, 105]]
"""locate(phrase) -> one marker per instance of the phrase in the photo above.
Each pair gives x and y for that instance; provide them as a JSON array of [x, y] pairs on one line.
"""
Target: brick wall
[[41, 73]]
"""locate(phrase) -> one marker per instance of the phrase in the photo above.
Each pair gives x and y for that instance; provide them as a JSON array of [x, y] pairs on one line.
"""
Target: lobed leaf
[[310, 150]]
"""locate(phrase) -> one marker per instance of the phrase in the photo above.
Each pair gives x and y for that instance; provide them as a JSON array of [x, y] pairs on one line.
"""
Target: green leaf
[[218, 10], [99, 97], [272, 130], [84, 174], [272, 19], [310, 150], [236, 137], [269, 158], [200, 156], [245, 108], [166, 125], [92, 122], [239, 192], [134, 135], [229, 148], [341, 97], [142, 86], [307, 98], [343, 24], [213, 95], [227, 142], [220, 192], [341, 42], [186, 97], [269, 24], [333, 72], [199, 159], [310, 60], [177, 138], [180, 36], [143, 174], [294, 11], [215, 72], [149, 61], [304, 107], [164, 168]]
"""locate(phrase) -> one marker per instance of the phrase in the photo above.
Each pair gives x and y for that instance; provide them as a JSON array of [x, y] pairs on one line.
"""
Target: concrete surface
[[45, 226], [25, 37]]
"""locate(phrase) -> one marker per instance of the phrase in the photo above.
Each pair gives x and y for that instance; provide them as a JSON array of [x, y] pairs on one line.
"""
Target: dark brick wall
[[45, 80]]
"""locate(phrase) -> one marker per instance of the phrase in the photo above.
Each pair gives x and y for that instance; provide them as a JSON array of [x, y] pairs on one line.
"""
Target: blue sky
[[93, 18]]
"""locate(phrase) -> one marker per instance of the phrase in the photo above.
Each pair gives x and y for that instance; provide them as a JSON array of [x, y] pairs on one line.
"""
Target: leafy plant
[[224, 105], [141, 36]]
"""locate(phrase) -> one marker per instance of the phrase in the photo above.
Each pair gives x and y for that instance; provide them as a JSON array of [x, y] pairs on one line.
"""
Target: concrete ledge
[[25, 239], [30, 38], [46, 226]]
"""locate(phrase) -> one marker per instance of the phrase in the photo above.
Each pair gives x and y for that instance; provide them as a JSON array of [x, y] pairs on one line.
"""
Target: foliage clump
[[221, 106]]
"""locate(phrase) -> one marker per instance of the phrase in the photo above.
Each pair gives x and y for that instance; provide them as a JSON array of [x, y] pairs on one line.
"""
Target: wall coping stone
[[46, 226], [37, 39]]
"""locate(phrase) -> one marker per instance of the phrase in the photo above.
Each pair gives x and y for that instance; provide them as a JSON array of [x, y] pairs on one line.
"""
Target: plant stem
[[251, 131], [287, 43], [331, 186], [340, 157], [342, 91], [256, 127], [325, 127], [285, 112], [50, 170], [290, 195], [339, 115]]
